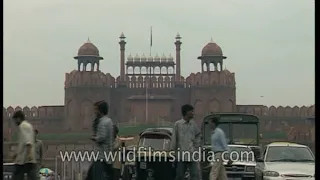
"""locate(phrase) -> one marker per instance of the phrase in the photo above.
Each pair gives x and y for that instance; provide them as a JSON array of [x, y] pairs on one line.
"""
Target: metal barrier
[[70, 170]]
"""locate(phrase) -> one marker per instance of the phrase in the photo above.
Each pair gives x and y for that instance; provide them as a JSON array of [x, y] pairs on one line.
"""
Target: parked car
[[243, 166], [285, 160]]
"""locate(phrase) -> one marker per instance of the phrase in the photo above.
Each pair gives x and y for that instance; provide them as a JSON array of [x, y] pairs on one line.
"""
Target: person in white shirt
[[186, 136], [24, 159]]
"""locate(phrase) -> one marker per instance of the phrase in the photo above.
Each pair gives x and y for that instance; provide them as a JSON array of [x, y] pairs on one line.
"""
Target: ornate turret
[[122, 58], [212, 53], [178, 60], [88, 53]]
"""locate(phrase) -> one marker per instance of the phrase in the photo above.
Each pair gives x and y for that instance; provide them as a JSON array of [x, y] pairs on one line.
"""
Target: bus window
[[208, 132], [245, 133]]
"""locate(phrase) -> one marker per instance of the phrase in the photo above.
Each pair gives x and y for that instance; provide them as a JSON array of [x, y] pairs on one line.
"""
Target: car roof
[[167, 131], [8, 164], [238, 145], [281, 144], [161, 128]]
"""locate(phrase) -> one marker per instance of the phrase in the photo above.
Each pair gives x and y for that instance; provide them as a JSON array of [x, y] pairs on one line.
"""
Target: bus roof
[[233, 117]]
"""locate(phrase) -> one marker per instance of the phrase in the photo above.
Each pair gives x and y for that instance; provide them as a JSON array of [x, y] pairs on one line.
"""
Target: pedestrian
[[25, 160], [39, 152], [103, 137], [220, 148], [186, 137], [116, 149]]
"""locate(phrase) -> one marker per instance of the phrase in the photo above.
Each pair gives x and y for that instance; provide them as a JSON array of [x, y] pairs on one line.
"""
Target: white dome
[[170, 58], [143, 58], [137, 58], [157, 58], [163, 58], [150, 58], [130, 58]]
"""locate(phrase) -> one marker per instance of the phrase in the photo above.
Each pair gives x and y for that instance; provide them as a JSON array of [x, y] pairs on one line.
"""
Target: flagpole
[[150, 39], [147, 84]]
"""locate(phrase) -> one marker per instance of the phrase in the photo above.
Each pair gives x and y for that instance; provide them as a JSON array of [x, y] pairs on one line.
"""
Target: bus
[[239, 128]]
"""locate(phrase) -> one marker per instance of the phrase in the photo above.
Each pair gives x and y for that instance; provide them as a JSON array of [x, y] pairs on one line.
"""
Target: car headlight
[[250, 168], [271, 173]]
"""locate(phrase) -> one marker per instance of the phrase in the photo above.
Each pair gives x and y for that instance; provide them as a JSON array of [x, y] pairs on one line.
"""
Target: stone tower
[[84, 87], [213, 89]]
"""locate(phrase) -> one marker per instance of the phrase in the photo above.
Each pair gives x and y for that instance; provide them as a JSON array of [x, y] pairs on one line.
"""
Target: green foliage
[[123, 131], [275, 135]]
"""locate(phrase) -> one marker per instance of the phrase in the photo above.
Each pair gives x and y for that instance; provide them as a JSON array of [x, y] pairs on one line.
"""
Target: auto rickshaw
[[153, 160]]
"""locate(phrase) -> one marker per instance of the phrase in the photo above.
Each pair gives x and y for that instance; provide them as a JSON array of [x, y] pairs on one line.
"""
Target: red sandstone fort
[[213, 89]]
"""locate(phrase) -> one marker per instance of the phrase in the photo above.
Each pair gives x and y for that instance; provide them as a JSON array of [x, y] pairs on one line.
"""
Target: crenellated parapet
[[280, 111], [258, 110], [34, 112], [88, 78], [221, 78]]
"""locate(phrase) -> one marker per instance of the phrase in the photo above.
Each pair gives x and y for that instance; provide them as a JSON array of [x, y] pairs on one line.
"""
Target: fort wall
[[49, 114]]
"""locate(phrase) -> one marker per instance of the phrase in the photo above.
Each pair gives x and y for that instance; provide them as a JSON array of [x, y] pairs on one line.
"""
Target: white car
[[284, 160], [243, 165]]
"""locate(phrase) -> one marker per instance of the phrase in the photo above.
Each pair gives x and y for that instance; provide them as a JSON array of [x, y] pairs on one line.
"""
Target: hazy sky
[[269, 43]]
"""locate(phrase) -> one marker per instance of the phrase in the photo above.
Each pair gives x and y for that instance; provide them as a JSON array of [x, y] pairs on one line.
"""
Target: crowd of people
[[186, 137]]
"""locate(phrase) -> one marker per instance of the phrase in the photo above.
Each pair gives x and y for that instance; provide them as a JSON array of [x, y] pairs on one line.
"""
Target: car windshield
[[245, 133], [208, 132], [8, 168], [289, 154], [156, 142]]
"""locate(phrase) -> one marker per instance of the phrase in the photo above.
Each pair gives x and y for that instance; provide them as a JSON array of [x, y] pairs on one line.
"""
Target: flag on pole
[[151, 36]]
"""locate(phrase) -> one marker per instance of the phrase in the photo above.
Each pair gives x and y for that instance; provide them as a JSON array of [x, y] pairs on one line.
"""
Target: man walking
[[25, 161], [103, 138], [186, 137], [39, 152], [219, 148]]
